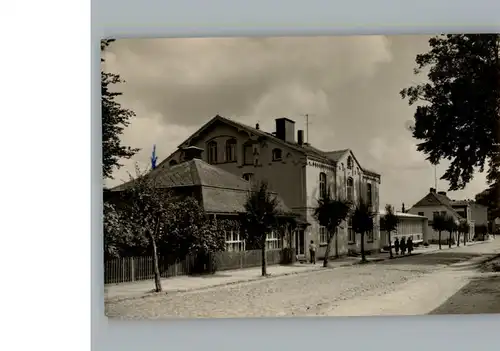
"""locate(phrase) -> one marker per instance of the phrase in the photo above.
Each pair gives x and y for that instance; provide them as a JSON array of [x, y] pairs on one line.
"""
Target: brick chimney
[[442, 193], [285, 129], [300, 137]]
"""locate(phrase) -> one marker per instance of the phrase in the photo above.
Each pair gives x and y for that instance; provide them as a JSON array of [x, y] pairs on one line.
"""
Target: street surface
[[405, 286]]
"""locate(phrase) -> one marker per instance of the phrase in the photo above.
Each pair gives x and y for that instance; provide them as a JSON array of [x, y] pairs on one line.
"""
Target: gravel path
[[317, 293]]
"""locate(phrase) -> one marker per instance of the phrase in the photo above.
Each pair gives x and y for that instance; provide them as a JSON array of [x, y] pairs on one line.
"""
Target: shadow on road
[[480, 295], [433, 259]]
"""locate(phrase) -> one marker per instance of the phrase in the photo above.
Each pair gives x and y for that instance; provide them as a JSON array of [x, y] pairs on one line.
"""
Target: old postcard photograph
[[301, 176]]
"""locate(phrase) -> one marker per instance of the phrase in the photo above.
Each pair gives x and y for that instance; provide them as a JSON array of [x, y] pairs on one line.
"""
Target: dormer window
[[231, 150], [212, 152], [277, 155], [349, 162]]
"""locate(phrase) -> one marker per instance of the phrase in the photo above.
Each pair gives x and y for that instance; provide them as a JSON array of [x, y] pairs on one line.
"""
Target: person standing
[[396, 246], [402, 245], [312, 252], [409, 244]]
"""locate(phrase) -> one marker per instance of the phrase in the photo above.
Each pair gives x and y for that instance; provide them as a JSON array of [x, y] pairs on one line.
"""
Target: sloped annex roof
[[331, 157], [222, 191], [435, 199]]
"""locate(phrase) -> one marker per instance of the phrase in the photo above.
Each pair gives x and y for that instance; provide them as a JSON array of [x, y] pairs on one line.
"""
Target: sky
[[348, 85]]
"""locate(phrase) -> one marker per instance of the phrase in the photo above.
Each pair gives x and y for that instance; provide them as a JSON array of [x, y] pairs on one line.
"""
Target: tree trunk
[[336, 243], [449, 240], [465, 238], [156, 268], [363, 257], [439, 239], [327, 251], [390, 244], [264, 258], [458, 239]]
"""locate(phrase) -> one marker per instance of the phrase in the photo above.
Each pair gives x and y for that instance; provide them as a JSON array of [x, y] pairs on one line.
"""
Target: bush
[[204, 263]]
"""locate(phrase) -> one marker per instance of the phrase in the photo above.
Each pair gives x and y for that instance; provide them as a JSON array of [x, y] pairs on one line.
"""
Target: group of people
[[403, 245]]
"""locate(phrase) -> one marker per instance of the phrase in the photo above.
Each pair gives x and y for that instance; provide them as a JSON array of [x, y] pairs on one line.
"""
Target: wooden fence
[[131, 269]]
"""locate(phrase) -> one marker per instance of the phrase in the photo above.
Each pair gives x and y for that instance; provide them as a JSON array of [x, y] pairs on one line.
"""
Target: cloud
[[349, 86]]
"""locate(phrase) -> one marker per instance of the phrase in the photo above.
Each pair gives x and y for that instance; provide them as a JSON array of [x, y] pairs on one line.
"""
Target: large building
[[296, 170]]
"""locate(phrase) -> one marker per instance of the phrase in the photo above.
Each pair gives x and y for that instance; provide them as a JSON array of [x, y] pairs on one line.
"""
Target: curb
[[257, 278]]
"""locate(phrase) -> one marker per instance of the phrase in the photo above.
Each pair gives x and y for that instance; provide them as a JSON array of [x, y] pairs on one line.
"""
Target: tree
[[329, 213], [389, 223], [146, 209], [490, 198], [260, 218], [362, 222], [439, 225], [115, 119], [463, 228], [457, 117], [451, 227]]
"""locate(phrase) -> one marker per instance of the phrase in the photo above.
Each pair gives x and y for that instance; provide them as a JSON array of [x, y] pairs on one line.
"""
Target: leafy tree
[[115, 119], [362, 222], [439, 225], [389, 223], [457, 117], [490, 198], [260, 218], [329, 213], [463, 228], [146, 209], [451, 227]]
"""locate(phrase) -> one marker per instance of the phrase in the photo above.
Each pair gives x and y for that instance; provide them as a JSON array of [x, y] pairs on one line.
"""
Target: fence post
[[132, 269], [123, 269]]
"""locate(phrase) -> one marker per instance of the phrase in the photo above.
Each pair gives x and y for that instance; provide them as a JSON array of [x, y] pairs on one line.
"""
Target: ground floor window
[[323, 235], [370, 236], [273, 241], [234, 242], [350, 232]]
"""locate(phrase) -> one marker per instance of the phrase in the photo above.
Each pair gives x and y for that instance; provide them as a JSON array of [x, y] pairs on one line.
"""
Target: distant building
[[297, 171], [409, 225], [435, 203]]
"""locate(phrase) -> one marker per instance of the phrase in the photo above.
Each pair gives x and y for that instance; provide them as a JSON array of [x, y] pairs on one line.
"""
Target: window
[[234, 241], [421, 214], [349, 162], [248, 177], [231, 150], [272, 241], [351, 234], [172, 162], [350, 189], [248, 154], [370, 236], [435, 214], [322, 185], [212, 152], [323, 235], [277, 155], [369, 194]]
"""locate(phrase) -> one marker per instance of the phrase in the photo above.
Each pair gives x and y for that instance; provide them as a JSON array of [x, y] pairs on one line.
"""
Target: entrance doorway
[[300, 242]]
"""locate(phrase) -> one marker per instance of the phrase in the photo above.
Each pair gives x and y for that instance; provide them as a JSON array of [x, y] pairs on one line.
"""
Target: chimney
[[192, 152], [432, 190], [403, 208], [300, 137], [285, 129], [257, 126], [442, 193]]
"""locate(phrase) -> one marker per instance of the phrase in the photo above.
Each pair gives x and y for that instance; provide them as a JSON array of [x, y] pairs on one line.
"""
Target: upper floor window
[[212, 152], [248, 154], [277, 155], [350, 189], [248, 177], [231, 150], [351, 235], [349, 162], [172, 162], [369, 194], [322, 185], [323, 235]]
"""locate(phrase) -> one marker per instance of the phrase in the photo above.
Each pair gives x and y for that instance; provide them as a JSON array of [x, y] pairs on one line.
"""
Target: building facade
[[297, 171], [409, 226]]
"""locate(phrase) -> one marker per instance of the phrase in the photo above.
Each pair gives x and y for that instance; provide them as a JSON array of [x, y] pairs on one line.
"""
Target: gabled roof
[[222, 191], [435, 199], [331, 157]]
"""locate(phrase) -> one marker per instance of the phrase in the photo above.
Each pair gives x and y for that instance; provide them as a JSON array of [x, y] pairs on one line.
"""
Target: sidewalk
[[189, 283]]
